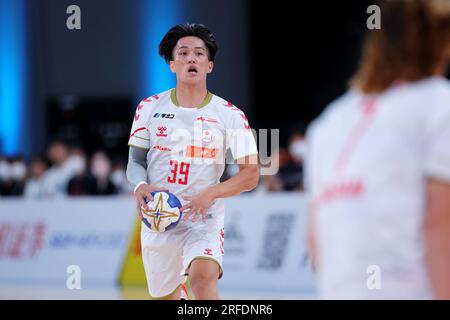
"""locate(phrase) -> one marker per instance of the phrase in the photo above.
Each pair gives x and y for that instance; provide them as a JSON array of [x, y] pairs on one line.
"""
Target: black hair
[[185, 30]]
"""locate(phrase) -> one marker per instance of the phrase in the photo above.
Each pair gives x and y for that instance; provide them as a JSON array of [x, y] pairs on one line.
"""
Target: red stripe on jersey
[[368, 110], [152, 98], [136, 131]]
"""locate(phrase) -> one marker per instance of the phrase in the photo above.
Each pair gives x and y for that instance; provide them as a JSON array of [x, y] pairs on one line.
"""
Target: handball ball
[[163, 212]]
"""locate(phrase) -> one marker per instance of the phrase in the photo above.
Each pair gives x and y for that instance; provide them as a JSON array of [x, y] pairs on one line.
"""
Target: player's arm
[[139, 143], [437, 237], [245, 180], [137, 167], [137, 176]]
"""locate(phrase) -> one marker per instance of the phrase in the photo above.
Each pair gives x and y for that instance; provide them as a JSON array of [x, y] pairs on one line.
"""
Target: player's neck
[[191, 96]]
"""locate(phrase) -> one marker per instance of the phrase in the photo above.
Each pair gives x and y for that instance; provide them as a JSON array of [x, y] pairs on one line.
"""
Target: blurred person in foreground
[[178, 143], [378, 165]]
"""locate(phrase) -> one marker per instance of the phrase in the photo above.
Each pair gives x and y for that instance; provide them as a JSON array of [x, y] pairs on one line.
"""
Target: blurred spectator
[[119, 177], [69, 174], [12, 176], [34, 187], [297, 147], [273, 183], [290, 173], [4, 174], [83, 183], [101, 171], [65, 167]]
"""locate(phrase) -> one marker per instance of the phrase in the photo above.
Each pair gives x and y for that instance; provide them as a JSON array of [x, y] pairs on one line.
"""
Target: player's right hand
[[145, 191]]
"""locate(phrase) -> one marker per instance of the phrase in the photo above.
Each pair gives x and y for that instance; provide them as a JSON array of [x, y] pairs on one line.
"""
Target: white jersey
[[187, 146], [367, 163]]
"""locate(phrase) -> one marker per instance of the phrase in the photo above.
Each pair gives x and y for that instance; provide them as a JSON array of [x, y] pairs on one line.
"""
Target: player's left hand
[[198, 204]]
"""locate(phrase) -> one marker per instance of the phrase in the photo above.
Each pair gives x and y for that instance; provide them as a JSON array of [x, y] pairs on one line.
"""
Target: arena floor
[[117, 293]]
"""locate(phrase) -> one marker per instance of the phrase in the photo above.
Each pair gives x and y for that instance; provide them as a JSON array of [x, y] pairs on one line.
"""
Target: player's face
[[190, 60]]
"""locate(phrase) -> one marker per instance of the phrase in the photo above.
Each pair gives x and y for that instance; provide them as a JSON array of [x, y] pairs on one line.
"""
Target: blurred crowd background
[[66, 170], [63, 171]]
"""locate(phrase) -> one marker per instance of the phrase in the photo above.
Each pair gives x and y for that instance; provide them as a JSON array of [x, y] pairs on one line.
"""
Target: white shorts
[[167, 256]]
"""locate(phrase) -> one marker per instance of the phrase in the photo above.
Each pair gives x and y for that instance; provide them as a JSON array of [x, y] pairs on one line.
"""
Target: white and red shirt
[[367, 164], [187, 146]]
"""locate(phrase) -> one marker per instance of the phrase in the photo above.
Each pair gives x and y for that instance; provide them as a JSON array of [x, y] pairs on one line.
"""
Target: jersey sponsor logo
[[208, 252], [200, 152], [161, 132], [164, 115], [161, 148], [207, 136]]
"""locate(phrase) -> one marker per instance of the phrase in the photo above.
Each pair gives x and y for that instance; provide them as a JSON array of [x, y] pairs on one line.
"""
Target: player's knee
[[203, 281], [202, 287]]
